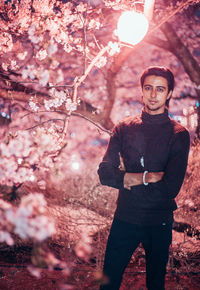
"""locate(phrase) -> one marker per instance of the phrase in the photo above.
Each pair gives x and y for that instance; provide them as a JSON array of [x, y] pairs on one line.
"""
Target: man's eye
[[147, 88], [160, 89]]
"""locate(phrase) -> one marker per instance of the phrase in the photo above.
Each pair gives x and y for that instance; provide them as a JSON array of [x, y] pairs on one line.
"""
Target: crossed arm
[[132, 179], [168, 183]]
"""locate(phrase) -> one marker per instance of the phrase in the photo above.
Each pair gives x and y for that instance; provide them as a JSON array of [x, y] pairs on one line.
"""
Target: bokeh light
[[75, 165]]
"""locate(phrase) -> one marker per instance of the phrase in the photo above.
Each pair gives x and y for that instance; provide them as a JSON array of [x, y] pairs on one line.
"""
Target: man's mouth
[[153, 102]]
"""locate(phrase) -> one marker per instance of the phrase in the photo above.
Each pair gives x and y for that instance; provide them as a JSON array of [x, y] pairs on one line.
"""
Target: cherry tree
[[61, 59]]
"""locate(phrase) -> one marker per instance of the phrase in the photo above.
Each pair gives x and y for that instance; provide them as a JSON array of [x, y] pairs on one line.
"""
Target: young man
[[154, 150]]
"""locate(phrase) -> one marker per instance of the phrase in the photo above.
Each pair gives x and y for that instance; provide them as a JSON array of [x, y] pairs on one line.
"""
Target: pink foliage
[[28, 221]]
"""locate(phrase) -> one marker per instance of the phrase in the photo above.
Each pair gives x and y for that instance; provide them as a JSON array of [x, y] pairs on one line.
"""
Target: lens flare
[[132, 27]]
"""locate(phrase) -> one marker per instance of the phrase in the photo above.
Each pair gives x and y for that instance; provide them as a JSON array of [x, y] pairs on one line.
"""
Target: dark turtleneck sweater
[[153, 143]]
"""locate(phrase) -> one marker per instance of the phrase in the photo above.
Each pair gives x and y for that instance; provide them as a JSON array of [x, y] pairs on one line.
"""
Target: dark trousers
[[123, 239]]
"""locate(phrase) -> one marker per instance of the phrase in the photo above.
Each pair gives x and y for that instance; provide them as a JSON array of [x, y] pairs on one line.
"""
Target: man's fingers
[[127, 186]]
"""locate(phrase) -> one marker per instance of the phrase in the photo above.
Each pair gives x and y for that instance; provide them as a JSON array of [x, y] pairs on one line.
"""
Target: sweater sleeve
[[172, 180], [109, 171]]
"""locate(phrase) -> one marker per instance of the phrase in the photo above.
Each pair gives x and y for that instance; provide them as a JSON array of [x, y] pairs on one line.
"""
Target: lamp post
[[148, 9]]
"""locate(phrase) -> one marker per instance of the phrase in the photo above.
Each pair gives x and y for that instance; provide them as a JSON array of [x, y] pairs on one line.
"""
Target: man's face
[[155, 94]]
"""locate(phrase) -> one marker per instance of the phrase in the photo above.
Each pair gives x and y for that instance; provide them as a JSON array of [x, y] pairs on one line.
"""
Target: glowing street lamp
[[132, 27]]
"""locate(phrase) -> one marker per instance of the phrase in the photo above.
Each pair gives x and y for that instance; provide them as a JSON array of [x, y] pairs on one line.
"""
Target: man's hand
[[154, 176], [132, 179]]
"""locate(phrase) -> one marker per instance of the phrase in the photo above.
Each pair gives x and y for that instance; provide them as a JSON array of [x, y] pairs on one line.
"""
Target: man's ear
[[169, 95]]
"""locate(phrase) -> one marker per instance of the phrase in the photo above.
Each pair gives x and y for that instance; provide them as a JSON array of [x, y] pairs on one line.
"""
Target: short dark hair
[[160, 71]]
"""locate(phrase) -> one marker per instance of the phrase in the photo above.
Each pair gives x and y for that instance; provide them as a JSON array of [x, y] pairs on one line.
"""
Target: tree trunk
[[189, 63], [110, 83]]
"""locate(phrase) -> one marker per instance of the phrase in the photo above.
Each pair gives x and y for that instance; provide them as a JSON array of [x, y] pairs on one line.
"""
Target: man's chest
[[147, 148]]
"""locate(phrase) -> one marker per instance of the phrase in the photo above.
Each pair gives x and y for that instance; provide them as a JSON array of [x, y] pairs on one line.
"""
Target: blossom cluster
[[31, 72], [28, 221], [113, 48], [34, 107], [41, 54], [12, 169], [6, 42], [45, 20], [24, 151], [5, 226], [58, 98], [70, 106], [101, 62], [32, 35], [83, 248]]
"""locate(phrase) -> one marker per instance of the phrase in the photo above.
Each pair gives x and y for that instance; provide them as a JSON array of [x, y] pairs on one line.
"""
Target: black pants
[[123, 239]]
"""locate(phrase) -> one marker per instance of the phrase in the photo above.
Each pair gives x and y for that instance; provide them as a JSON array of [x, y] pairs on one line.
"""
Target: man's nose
[[153, 94]]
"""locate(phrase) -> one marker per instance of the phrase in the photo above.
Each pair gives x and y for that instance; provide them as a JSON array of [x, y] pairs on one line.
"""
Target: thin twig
[[91, 121], [64, 133], [166, 18], [96, 42], [75, 114], [42, 123]]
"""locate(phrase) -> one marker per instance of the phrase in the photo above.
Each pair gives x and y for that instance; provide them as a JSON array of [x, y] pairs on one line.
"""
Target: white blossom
[[44, 77], [14, 65], [58, 99], [42, 184], [22, 55], [81, 7], [31, 33], [94, 24], [54, 64], [41, 54], [6, 237], [30, 219], [113, 48], [101, 62], [31, 30], [52, 48], [6, 42], [29, 72], [70, 106], [67, 47], [34, 107], [4, 66]]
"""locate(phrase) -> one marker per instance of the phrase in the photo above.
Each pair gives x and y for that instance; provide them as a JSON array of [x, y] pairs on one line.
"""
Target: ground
[[183, 272], [15, 276]]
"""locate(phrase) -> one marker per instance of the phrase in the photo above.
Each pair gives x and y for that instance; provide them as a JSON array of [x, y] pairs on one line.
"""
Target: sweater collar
[[155, 119]]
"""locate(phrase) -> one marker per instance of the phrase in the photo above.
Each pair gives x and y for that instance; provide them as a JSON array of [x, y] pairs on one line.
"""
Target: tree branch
[[154, 40], [178, 48], [84, 110]]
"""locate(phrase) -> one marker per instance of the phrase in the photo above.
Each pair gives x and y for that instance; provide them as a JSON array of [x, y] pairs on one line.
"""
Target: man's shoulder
[[177, 127], [130, 121]]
